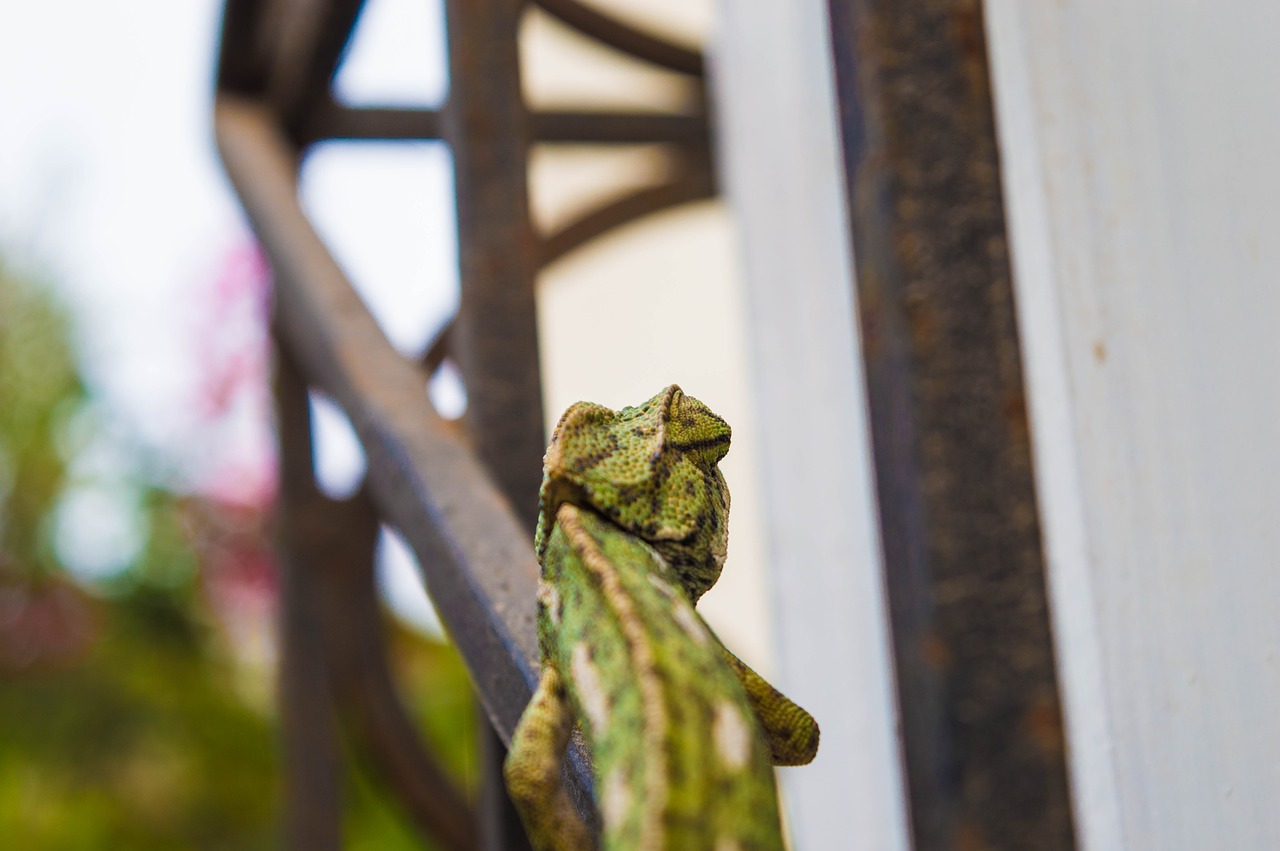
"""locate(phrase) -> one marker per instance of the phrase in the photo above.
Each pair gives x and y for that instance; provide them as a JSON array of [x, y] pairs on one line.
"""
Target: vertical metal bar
[[965, 572], [312, 766], [495, 336]]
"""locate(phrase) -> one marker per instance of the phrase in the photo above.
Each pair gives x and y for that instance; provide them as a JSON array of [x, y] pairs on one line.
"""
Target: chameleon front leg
[[790, 732], [532, 769]]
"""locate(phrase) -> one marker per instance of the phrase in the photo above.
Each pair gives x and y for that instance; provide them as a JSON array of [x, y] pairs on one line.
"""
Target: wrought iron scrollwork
[[464, 505]]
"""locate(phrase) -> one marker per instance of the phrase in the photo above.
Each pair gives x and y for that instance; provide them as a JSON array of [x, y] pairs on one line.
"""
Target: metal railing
[[983, 750], [978, 698], [465, 502]]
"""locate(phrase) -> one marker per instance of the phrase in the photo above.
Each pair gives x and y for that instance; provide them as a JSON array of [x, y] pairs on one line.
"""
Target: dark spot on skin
[[587, 462], [658, 475], [684, 824], [703, 443], [811, 741]]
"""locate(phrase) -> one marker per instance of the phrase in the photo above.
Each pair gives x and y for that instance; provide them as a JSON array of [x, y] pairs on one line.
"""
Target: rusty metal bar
[[977, 688], [495, 335], [495, 332], [311, 37], [312, 765], [336, 121], [477, 559], [626, 38], [366, 695]]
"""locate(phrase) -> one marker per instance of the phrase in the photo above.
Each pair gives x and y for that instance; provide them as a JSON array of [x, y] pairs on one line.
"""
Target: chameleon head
[[652, 470]]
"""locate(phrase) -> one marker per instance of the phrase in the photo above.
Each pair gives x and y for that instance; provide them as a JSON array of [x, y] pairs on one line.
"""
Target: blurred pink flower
[[235, 487]]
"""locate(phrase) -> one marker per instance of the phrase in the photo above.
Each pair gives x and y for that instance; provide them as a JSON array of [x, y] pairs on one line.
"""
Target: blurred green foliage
[[125, 719], [40, 391]]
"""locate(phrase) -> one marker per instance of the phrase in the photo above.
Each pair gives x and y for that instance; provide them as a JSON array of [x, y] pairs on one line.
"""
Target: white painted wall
[[1140, 151], [781, 167]]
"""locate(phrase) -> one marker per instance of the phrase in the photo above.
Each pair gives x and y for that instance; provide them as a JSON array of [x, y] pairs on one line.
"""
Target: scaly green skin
[[633, 530]]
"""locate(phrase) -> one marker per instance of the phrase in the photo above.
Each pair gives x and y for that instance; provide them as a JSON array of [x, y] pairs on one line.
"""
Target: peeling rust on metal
[[965, 571]]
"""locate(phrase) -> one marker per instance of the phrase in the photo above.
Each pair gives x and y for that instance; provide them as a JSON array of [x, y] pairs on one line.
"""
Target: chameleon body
[[633, 528]]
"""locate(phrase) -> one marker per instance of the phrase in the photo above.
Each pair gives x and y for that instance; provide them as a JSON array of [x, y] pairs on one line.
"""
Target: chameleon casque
[[633, 529]]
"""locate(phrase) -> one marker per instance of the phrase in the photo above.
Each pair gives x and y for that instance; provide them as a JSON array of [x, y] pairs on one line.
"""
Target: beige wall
[[655, 303]]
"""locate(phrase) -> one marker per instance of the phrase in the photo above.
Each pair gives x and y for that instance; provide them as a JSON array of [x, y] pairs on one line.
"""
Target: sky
[[111, 189]]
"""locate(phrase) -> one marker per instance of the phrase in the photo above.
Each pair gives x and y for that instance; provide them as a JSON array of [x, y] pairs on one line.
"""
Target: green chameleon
[[633, 529]]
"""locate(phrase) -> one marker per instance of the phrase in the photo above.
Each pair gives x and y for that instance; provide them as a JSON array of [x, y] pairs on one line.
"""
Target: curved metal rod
[[626, 38], [686, 187], [370, 708]]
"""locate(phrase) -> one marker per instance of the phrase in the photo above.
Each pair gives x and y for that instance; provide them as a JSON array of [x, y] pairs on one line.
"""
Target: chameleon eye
[[697, 432]]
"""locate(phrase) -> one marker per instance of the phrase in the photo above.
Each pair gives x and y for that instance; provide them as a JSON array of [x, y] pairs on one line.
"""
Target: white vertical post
[[784, 180], [1139, 143]]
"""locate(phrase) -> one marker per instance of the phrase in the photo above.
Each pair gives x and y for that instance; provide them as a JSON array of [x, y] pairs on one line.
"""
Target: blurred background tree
[[135, 693]]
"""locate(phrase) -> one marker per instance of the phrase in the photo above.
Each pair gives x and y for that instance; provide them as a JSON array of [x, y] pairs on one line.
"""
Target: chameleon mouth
[[555, 495]]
